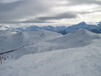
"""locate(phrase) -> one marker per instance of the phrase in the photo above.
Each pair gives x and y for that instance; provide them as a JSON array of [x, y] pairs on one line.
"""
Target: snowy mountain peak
[[82, 23], [83, 32]]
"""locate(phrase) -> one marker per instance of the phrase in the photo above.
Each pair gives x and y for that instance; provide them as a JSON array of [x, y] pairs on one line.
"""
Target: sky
[[49, 11]]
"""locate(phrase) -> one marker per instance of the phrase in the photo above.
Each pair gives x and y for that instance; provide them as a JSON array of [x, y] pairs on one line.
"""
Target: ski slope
[[75, 54]]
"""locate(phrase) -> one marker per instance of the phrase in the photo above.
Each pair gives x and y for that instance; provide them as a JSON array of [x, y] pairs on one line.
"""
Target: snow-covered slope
[[78, 38], [75, 54], [15, 40], [82, 61]]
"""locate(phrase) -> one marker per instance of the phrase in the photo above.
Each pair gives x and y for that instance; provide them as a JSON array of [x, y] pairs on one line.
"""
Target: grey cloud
[[85, 12], [34, 21], [79, 2], [5, 7], [59, 16], [22, 9], [56, 17]]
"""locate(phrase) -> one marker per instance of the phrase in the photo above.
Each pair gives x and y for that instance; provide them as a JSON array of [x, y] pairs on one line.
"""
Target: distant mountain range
[[60, 29]]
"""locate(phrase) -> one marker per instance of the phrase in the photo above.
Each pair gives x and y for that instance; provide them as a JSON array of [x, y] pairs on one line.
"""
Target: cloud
[[79, 2], [43, 11], [34, 21], [59, 16], [8, 1], [66, 15], [23, 9]]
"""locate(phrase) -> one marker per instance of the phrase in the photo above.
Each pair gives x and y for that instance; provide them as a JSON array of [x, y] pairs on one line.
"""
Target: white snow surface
[[15, 40], [74, 54]]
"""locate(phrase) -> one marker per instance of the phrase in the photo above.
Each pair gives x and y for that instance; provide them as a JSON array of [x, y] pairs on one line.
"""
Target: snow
[[15, 40], [69, 62], [75, 54]]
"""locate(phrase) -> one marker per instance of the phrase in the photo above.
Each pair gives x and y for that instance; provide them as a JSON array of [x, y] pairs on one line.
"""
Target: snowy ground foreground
[[80, 58], [82, 61]]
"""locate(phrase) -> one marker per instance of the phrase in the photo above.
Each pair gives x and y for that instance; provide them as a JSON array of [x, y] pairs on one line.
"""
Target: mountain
[[15, 40], [52, 54], [83, 25], [63, 29], [78, 38], [59, 29], [42, 41], [75, 27]]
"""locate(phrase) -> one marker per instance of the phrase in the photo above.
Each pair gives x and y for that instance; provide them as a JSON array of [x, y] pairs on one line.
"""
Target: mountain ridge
[[59, 29]]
